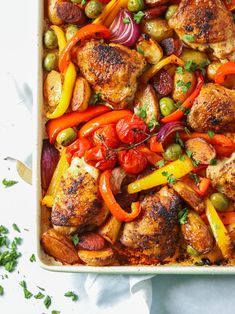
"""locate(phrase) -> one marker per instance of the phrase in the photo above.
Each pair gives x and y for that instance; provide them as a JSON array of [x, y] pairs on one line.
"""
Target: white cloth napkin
[[110, 293]]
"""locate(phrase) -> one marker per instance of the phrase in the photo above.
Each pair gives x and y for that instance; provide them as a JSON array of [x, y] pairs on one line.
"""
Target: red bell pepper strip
[[152, 157], [155, 146], [201, 188], [72, 119], [225, 151], [178, 114], [107, 118], [226, 217], [109, 199], [223, 70], [77, 148], [230, 4], [83, 33]]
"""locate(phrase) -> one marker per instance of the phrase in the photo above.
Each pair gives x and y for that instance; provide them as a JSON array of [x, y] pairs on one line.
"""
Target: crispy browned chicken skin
[[222, 176], [209, 23], [213, 109], [77, 203], [112, 70], [156, 230]]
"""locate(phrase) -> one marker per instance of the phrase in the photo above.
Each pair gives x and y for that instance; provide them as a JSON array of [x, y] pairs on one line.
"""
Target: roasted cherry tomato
[[132, 161], [101, 158], [106, 136], [131, 129], [80, 146]]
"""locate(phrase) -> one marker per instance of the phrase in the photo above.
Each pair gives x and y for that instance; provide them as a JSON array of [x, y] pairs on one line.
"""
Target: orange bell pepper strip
[[157, 67], [216, 139], [227, 218], [224, 151], [111, 203], [177, 169], [152, 157], [61, 167], [72, 119], [155, 146], [223, 70], [218, 229], [187, 104], [83, 33], [107, 118]]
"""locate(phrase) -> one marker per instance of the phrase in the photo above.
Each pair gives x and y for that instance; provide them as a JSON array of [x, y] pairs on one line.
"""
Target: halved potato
[[53, 88], [59, 246], [150, 49], [184, 84], [81, 95], [52, 12], [146, 105], [103, 257], [109, 231]]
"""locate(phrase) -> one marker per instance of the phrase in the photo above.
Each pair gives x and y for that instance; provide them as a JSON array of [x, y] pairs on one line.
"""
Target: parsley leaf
[[27, 293], [160, 163], [195, 177], [140, 50], [1, 290], [3, 230], [95, 98], [138, 17], [213, 161], [179, 70], [47, 301], [83, 2], [141, 111], [182, 158], [178, 140], [15, 227], [55, 312], [152, 123], [184, 86], [41, 288], [183, 216], [189, 153], [210, 133], [8, 183], [39, 295], [170, 177], [71, 294], [126, 20], [188, 37], [75, 239], [187, 131], [32, 258]]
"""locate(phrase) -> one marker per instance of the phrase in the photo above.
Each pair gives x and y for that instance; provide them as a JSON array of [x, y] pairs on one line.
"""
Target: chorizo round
[[70, 13]]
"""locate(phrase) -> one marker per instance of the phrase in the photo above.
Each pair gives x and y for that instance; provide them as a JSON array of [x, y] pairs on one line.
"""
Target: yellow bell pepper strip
[[67, 91], [110, 11], [219, 231], [60, 37], [61, 167], [169, 173], [156, 67]]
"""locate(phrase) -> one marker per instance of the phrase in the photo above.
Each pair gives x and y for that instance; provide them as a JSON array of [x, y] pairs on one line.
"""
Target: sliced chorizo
[[91, 241], [172, 46], [154, 12], [162, 83], [70, 13]]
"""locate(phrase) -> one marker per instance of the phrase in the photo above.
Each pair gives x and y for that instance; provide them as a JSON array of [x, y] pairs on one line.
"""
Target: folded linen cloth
[[109, 293]]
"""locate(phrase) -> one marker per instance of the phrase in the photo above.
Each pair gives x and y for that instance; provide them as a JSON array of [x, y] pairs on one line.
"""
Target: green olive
[[50, 62], [135, 5], [219, 201], [66, 137], [93, 9], [173, 152], [70, 31], [191, 251], [167, 106], [50, 39], [171, 11]]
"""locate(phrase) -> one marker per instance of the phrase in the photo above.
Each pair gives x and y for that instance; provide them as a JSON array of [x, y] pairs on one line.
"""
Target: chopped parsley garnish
[[27, 293], [15, 227], [55, 312], [32, 258], [8, 183], [141, 111], [210, 133], [182, 158], [189, 153], [83, 2], [188, 37], [178, 140], [190, 66], [39, 295], [160, 163], [126, 20], [138, 17], [72, 295], [183, 216], [179, 70], [170, 177], [75, 239], [187, 131], [41, 288], [95, 98], [213, 161], [195, 177], [1, 290], [47, 301], [184, 86], [3, 230], [152, 123], [140, 50]]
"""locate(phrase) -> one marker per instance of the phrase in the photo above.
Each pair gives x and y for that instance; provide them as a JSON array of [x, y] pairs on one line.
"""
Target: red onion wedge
[[49, 160], [124, 33], [168, 129]]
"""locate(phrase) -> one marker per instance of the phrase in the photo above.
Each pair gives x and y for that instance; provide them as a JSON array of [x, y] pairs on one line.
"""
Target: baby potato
[[53, 88], [52, 12], [81, 95], [196, 233], [157, 28], [59, 246], [151, 50], [195, 56], [102, 257], [184, 84]]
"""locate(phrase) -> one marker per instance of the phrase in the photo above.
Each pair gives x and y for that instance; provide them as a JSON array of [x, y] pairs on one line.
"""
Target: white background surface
[[171, 294]]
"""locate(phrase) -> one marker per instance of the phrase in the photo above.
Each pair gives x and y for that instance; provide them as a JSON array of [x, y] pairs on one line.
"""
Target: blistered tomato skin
[[101, 158], [132, 161], [106, 136], [131, 129]]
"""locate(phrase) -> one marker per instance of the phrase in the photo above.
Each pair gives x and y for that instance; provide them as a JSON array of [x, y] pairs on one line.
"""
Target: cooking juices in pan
[[139, 102]]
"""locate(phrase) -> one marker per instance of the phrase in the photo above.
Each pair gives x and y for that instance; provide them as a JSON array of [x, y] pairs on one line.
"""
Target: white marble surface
[[171, 294]]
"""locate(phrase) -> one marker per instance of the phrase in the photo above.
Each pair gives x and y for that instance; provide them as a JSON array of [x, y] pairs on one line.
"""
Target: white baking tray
[[49, 263]]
